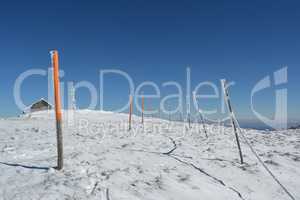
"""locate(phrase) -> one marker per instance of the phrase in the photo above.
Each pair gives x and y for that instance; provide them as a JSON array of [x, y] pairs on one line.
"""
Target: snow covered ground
[[161, 161]]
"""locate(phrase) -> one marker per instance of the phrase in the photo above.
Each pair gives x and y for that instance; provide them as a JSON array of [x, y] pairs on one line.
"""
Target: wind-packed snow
[[161, 161]]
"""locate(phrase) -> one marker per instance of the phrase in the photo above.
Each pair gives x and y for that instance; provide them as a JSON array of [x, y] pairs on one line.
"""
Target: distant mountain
[[295, 127]]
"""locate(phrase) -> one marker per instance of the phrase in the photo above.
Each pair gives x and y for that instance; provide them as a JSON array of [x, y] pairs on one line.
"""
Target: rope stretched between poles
[[261, 162]]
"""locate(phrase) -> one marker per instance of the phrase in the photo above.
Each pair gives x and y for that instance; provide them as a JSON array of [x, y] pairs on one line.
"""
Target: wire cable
[[261, 162]]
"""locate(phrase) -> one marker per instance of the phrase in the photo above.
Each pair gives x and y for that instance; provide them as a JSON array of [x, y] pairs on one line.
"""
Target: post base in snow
[[59, 145]]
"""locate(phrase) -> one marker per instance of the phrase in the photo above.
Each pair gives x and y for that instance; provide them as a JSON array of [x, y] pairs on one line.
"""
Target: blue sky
[[242, 41]]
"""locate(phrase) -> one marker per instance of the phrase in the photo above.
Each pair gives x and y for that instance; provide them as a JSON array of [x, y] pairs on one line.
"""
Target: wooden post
[[143, 108], [169, 113], [189, 119], [130, 112], [227, 100], [180, 117], [58, 114], [200, 114], [159, 115]]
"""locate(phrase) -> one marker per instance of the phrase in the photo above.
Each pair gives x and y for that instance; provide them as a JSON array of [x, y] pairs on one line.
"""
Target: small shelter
[[40, 105]]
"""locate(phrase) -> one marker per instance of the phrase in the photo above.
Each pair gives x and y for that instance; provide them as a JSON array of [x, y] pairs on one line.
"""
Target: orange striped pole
[[143, 108], [58, 115], [130, 111]]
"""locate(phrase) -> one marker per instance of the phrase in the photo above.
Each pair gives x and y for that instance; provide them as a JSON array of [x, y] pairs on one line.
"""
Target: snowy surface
[[161, 161]]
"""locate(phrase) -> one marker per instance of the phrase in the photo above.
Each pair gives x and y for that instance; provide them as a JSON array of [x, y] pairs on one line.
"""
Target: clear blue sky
[[242, 41]]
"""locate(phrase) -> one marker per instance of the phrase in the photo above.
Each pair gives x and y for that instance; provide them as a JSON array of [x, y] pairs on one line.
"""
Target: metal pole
[[227, 100], [58, 114], [143, 107], [130, 112]]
